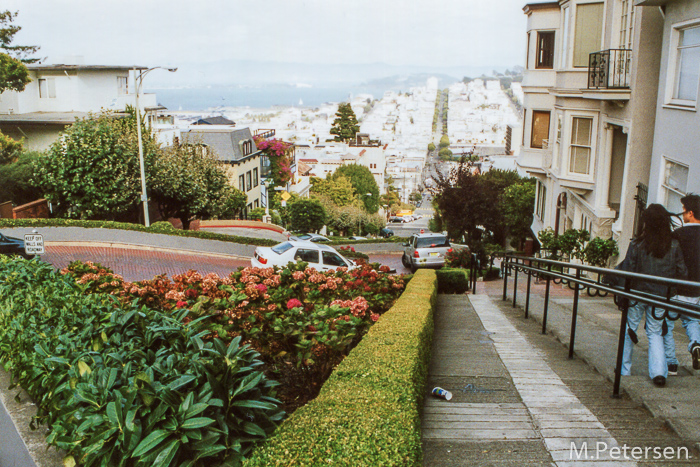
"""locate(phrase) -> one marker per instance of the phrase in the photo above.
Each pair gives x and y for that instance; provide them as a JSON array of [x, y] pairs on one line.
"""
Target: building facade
[[60, 94], [675, 160], [590, 88]]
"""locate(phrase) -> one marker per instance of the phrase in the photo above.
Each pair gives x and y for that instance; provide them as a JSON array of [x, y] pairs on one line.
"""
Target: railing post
[[515, 283], [475, 272], [504, 270], [574, 313], [546, 300], [527, 294], [621, 344]]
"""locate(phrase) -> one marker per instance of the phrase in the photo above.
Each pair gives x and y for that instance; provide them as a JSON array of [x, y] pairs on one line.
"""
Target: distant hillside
[[247, 72]]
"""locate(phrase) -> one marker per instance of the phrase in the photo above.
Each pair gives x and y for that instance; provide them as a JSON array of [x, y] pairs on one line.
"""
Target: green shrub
[[161, 225], [367, 413], [492, 274], [123, 385], [458, 258], [598, 251], [452, 280], [256, 214], [9, 223]]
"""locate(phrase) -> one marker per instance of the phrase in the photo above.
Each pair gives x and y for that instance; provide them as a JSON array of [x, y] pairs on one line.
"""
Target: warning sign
[[285, 196], [34, 244]]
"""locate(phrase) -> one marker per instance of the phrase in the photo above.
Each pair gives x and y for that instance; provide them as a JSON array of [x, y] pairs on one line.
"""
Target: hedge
[[367, 413], [453, 280]]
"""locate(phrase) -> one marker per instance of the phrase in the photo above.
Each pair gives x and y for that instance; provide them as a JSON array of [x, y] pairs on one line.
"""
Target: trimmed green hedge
[[453, 280], [367, 413]]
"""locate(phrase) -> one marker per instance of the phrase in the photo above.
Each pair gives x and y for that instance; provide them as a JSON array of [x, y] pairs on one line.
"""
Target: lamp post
[[138, 82]]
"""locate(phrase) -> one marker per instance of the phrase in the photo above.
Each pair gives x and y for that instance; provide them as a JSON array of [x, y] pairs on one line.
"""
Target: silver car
[[426, 250]]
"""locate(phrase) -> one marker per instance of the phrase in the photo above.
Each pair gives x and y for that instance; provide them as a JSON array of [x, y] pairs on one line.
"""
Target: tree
[[13, 73], [363, 182], [444, 141], [345, 125], [307, 215], [15, 179], [517, 203], [391, 199], [188, 183], [339, 189], [10, 149], [92, 170], [431, 146]]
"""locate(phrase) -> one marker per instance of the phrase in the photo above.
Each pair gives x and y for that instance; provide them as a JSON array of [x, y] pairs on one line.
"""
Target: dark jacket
[[640, 261], [689, 238]]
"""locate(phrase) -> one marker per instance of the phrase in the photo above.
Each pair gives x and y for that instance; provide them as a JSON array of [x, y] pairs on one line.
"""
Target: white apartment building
[[590, 88], [60, 94], [675, 160]]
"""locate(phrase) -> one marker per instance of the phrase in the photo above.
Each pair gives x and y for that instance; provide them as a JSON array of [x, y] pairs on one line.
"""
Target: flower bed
[[302, 322], [367, 413], [119, 384]]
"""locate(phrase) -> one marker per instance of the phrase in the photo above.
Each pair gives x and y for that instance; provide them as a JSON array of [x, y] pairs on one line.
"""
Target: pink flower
[[374, 317], [262, 288], [294, 303]]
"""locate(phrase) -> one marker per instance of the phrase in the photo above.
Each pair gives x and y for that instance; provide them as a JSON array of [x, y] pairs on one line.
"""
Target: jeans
[[657, 356], [691, 325]]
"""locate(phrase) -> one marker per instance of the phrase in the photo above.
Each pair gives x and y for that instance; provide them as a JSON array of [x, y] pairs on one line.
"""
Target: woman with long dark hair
[[656, 253]]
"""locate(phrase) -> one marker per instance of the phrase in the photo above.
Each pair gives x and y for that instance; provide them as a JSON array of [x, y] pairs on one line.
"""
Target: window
[[587, 33], [247, 147], [581, 129], [255, 177], [540, 129], [541, 200], [47, 88], [674, 185], [627, 24], [256, 203], [565, 38], [332, 259], [522, 143], [687, 72], [545, 50], [122, 85], [310, 256], [248, 181], [241, 182]]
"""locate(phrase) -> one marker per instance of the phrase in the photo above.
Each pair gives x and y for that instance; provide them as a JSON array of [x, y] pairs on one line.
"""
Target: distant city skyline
[[444, 34]]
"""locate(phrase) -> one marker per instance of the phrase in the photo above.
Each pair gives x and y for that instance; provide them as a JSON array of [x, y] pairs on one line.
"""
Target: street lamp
[[138, 82]]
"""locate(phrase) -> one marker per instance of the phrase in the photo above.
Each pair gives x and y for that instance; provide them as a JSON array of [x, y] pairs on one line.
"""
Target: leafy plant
[[598, 251], [458, 258], [119, 384]]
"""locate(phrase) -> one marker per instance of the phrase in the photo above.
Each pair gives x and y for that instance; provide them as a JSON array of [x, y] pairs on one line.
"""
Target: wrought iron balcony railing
[[609, 69]]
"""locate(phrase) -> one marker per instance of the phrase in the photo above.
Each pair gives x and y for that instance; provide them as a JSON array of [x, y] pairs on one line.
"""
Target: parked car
[[386, 233], [396, 220], [13, 246], [310, 237], [426, 250], [355, 237], [321, 257]]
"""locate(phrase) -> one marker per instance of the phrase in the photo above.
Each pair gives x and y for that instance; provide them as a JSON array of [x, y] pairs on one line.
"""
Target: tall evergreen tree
[[345, 125], [13, 74]]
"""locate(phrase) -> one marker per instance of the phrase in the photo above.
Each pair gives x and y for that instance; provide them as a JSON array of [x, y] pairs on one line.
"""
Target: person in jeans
[[655, 252], [688, 237]]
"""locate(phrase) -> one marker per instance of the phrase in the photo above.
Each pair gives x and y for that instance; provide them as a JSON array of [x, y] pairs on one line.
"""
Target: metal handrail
[[544, 268]]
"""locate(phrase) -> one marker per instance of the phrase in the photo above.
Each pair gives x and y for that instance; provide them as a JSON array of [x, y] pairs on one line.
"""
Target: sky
[[186, 34]]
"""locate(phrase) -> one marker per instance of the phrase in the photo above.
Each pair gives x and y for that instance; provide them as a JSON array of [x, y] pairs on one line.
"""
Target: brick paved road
[[136, 264]]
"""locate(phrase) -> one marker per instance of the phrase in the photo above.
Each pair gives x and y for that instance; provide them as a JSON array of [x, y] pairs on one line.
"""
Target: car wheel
[[413, 269], [405, 262]]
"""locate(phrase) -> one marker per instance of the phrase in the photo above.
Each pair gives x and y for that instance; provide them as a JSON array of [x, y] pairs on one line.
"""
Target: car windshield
[[3, 238], [432, 242], [282, 247], [303, 237]]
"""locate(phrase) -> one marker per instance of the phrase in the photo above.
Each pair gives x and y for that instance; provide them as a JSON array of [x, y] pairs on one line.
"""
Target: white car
[[320, 257]]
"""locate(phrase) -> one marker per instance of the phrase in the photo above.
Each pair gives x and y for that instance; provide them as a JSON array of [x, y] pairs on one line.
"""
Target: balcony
[[609, 69]]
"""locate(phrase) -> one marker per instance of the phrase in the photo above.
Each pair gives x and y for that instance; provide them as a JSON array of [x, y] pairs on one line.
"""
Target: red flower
[[191, 293], [262, 288], [294, 303], [311, 328], [181, 304]]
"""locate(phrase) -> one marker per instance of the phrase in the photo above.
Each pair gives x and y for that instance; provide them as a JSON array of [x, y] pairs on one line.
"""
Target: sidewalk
[[518, 399]]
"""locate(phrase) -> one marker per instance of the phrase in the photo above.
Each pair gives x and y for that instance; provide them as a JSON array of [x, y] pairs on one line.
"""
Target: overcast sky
[[175, 32]]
